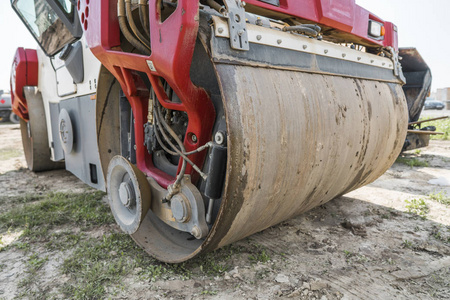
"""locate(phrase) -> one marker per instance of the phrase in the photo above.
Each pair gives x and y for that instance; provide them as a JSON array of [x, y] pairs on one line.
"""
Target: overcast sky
[[422, 24]]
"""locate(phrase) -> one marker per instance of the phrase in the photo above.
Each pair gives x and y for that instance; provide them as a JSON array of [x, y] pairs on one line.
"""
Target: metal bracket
[[237, 24], [186, 210], [397, 65]]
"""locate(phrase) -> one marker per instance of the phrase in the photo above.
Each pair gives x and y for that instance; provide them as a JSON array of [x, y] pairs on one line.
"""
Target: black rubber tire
[[4, 119], [13, 118], [34, 135]]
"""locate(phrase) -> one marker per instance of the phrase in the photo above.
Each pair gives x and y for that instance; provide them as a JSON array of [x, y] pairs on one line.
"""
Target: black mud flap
[[418, 81]]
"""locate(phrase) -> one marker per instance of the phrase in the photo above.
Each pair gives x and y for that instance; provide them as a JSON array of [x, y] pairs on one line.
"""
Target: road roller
[[208, 121]]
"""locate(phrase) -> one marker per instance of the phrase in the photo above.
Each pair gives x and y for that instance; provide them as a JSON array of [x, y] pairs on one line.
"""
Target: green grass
[[440, 197], [27, 198], [8, 153], [441, 235], [441, 126], [411, 161], [38, 217], [417, 206], [32, 266], [260, 255], [408, 244], [96, 264], [348, 254], [64, 225]]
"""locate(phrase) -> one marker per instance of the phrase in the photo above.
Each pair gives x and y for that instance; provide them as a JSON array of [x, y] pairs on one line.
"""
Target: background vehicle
[[433, 104], [6, 113], [207, 121]]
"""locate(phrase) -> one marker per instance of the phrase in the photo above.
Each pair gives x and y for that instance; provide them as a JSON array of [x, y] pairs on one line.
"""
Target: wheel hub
[[127, 195], [180, 208]]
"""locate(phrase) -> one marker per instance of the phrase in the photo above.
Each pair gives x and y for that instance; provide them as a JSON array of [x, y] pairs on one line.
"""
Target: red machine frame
[[344, 15], [24, 72], [172, 46]]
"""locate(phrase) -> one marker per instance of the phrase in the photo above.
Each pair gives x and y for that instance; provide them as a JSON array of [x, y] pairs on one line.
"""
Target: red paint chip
[[2, 101]]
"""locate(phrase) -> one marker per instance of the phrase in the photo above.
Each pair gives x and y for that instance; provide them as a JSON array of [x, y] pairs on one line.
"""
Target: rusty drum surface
[[296, 141]]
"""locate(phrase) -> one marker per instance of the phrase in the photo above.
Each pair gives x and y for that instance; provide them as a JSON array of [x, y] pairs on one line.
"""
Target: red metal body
[[24, 72], [343, 15], [173, 42]]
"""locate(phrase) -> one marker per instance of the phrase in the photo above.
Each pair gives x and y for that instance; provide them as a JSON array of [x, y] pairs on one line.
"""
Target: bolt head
[[219, 138], [194, 138], [220, 30], [196, 232]]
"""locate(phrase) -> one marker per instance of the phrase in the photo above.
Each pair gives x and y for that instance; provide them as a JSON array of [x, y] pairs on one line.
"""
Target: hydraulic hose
[[133, 25], [143, 14], [214, 5], [161, 121], [308, 29], [126, 32]]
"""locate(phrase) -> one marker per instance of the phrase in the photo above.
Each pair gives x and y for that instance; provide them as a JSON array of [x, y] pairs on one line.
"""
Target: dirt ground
[[364, 245]]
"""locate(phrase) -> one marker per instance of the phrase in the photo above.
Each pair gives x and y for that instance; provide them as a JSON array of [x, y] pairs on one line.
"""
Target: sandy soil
[[360, 246]]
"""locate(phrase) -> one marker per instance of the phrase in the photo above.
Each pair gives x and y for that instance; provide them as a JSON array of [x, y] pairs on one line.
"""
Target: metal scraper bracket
[[397, 65], [237, 24]]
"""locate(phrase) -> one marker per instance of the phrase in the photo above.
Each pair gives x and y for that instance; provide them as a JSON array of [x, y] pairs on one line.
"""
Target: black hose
[[133, 25], [126, 32]]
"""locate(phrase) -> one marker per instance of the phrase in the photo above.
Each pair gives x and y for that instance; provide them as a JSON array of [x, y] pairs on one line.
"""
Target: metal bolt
[[359, 58], [240, 32], [219, 138], [325, 51], [305, 46], [371, 61], [196, 232], [344, 55], [279, 41], [258, 37], [220, 30], [194, 138]]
